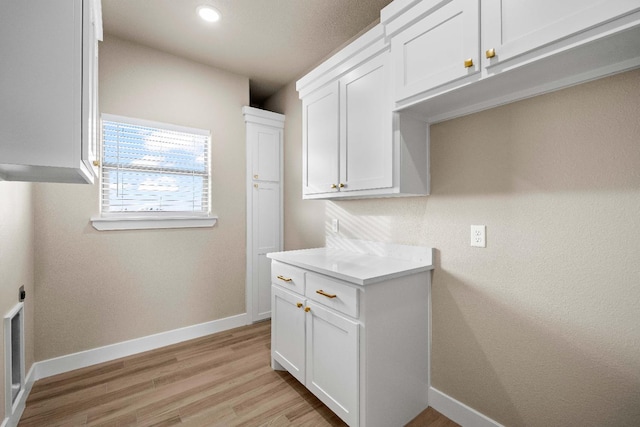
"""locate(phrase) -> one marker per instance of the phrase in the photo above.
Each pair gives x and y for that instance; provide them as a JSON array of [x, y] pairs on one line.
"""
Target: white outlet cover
[[479, 236], [334, 225]]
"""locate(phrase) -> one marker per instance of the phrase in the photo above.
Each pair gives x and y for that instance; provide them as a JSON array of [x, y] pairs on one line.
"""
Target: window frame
[[152, 219]]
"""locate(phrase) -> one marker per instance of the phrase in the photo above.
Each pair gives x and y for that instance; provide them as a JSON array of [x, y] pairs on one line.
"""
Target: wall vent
[[13, 357]]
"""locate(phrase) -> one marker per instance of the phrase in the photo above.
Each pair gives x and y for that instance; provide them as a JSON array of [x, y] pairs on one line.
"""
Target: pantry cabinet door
[[265, 229], [265, 148], [288, 332], [332, 361], [320, 140], [434, 50], [514, 28], [366, 150]]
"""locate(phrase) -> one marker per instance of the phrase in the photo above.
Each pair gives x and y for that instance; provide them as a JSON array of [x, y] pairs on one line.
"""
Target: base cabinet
[[350, 345]]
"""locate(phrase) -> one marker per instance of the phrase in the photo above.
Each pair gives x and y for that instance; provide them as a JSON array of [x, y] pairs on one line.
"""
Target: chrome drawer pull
[[285, 279], [321, 292]]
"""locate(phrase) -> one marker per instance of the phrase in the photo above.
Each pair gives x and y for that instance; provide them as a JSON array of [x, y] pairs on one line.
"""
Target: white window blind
[[151, 168]]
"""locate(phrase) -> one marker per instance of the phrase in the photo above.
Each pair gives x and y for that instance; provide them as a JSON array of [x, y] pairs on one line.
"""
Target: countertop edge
[[353, 280]]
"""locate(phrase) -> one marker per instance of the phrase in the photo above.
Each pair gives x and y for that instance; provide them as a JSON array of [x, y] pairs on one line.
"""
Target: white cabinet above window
[[354, 146], [49, 89]]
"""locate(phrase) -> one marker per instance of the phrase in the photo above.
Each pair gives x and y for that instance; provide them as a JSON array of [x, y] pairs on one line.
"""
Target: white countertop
[[354, 267]]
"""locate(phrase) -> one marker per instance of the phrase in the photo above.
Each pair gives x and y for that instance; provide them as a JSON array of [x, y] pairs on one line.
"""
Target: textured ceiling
[[270, 41]]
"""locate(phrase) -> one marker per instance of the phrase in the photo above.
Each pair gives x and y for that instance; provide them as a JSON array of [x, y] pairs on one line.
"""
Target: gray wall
[[98, 288], [16, 265]]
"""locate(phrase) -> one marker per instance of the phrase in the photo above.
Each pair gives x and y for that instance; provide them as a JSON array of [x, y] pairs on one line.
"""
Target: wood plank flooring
[[223, 379]]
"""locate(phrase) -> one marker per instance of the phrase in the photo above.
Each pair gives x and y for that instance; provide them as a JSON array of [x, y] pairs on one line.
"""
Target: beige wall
[[298, 213], [98, 288], [541, 328], [16, 265]]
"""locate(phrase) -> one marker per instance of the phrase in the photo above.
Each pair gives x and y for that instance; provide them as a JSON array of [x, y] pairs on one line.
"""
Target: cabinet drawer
[[288, 277], [333, 294]]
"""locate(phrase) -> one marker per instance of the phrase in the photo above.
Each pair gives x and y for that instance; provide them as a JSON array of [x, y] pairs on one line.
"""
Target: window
[[153, 170]]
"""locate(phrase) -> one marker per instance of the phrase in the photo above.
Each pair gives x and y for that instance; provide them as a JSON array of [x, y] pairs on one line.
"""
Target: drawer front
[[333, 294], [287, 276]]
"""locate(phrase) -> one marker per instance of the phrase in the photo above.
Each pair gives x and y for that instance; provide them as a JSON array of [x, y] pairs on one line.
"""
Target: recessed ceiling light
[[209, 14]]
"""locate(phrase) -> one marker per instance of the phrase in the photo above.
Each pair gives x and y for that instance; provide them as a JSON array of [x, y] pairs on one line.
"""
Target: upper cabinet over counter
[[367, 109], [354, 146], [49, 90], [454, 57]]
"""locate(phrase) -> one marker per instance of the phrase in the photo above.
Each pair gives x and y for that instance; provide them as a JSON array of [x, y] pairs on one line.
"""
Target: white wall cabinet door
[[366, 148], [434, 50], [288, 332], [515, 28], [266, 238], [332, 361], [320, 142]]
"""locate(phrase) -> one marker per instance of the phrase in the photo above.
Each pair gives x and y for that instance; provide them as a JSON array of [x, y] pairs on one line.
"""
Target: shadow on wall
[[396, 220], [534, 372], [583, 138]]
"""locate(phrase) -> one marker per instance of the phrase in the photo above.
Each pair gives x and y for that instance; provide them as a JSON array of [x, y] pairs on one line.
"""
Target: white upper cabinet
[[352, 143], [455, 57], [515, 28], [442, 46], [48, 90]]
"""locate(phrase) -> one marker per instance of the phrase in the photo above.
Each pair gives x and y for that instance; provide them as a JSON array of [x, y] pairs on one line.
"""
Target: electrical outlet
[[334, 225], [479, 236]]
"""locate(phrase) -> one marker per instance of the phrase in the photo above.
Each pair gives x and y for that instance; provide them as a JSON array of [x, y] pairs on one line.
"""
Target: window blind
[[150, 167]]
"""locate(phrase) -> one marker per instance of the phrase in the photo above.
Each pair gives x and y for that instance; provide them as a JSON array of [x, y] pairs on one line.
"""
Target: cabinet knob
[[334, 186], [341, 185], [299, 304], [468, 63], [490, 53], [96, 163], [255, 176], [307, 309]]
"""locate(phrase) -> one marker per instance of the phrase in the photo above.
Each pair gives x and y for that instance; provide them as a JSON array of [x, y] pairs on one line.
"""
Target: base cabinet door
[[288, 331], [332, 361]]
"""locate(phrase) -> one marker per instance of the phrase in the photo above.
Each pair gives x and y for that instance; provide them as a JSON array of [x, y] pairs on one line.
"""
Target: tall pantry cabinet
[[264, 205]]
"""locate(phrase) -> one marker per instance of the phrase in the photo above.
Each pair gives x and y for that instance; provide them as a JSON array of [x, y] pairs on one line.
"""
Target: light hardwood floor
[[219, 380]]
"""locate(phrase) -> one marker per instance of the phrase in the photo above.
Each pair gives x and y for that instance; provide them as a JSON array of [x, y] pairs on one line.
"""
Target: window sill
[[146, 223]]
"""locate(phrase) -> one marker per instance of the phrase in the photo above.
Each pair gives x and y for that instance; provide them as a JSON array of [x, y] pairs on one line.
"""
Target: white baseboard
[[18, 409], [70, 362], [457, 411]]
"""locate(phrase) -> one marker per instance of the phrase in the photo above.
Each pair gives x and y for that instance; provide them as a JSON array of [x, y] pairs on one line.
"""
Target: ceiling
[[273, 42]]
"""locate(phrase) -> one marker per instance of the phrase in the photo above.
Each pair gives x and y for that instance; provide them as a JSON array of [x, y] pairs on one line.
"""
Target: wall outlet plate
[[334, 225], [479, 236]]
